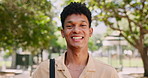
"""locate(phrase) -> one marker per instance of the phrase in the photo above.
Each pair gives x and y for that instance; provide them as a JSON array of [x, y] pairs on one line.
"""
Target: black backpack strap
[[52, 68]]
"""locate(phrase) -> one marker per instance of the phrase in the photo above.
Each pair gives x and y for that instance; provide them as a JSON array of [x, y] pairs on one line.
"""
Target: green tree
[[95, 42], [129, 17], [27, 24]]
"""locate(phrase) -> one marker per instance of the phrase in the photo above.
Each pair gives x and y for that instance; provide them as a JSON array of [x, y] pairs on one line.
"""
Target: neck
[[76, 57]]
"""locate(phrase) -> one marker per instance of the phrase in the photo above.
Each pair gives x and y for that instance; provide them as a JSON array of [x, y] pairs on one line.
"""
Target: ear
[[90, 32], [62, 32]]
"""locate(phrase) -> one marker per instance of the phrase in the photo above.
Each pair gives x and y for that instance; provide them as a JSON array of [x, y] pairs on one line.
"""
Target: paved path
[[131, 72], [126, 73], [26, 74]]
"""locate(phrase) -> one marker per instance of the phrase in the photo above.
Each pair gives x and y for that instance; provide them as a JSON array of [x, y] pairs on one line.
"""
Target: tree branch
[[118, 29], [139, 41], [141, 38], [129, 21], [145, 31], [143, 5], [118, 25], [129, 40]]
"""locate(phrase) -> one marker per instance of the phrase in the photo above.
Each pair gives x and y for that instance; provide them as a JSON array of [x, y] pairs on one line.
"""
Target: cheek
[[67, 33], [87, 33]]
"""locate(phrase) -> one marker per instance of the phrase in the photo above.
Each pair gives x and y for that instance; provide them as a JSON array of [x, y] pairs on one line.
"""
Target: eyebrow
[[72, 21]]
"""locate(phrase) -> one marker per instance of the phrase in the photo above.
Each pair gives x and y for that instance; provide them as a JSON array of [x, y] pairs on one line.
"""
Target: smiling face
[[76, 31]]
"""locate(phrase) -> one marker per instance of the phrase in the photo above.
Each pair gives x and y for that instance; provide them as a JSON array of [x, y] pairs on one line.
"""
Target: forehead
[[76, 18]]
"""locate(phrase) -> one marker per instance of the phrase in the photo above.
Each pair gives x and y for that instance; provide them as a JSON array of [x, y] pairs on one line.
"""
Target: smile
[[77, 38]]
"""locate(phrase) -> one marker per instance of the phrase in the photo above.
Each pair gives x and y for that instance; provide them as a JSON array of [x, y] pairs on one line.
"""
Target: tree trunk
[[144, 57], [13, 63], [42, 55]]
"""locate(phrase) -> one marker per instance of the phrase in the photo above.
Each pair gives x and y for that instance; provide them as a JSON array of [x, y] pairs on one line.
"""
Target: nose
[[76, 29]]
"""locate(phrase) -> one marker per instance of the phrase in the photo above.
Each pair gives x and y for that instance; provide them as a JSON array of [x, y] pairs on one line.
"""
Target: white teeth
[[77, 37]]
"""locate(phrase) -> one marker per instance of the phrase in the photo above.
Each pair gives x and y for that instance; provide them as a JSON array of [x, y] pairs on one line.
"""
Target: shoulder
[[104, 67], [42, 70], [106, 70], [44, 64]]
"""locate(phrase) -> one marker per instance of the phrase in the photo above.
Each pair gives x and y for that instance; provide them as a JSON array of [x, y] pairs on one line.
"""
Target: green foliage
[[27, 24], [91, 45], [130, 18], [94, 43]]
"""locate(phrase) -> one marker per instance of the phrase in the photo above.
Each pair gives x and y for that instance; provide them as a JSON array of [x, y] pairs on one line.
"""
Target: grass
[[7, 63], [133, 62]]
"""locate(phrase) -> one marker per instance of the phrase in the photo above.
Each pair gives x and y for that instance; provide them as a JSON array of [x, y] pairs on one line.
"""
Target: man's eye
[[69, 26], [83, 25]]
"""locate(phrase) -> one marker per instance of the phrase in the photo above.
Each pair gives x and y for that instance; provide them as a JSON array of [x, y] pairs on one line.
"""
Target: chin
[[77, 46]]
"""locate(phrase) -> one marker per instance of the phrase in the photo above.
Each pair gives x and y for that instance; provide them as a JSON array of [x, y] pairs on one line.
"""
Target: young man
[[76, 62]]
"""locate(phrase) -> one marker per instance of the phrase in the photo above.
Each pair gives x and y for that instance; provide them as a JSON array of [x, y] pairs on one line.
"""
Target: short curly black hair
[[75, 8]]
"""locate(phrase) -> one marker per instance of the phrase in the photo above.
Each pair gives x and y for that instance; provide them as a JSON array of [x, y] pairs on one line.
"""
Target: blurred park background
[[30, 34]]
